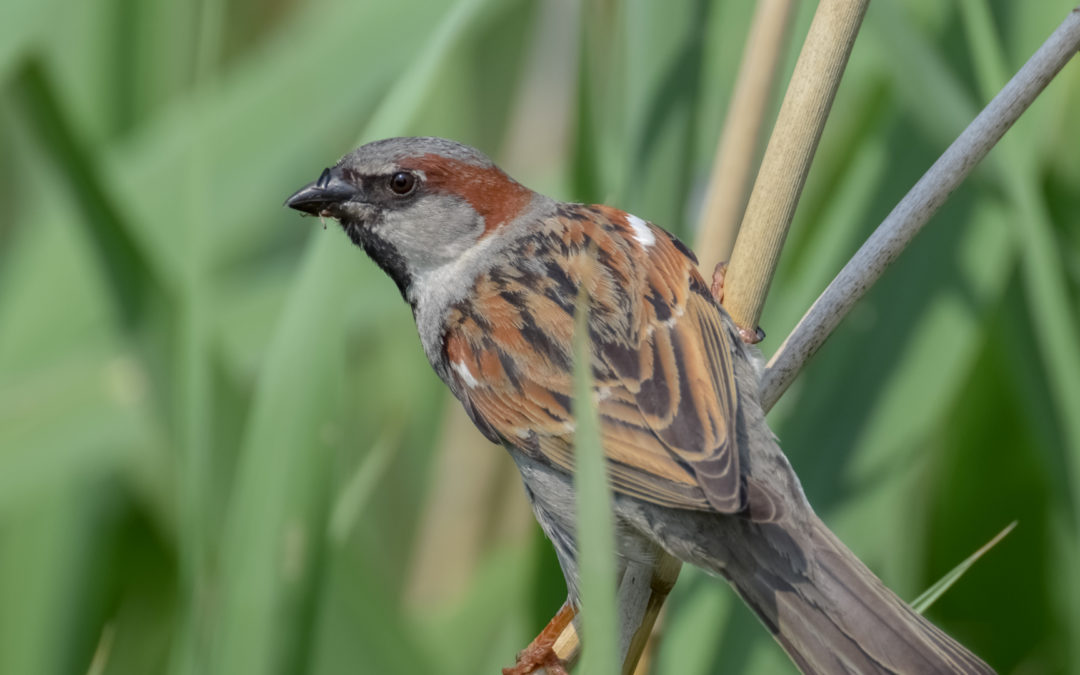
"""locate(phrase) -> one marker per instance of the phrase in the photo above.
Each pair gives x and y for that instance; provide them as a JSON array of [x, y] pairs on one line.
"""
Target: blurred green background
[[221, 447]]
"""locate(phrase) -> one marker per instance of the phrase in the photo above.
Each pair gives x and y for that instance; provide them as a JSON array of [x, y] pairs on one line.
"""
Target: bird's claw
[[532, 658], [541, 653], [750, 337], [717, 287]]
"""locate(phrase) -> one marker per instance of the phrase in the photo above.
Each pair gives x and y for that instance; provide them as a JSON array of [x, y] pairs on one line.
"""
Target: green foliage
[[930, 595], [219, 439], [595, 524]]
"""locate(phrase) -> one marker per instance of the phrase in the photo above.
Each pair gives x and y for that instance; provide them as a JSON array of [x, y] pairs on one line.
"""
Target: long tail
[[830, 613]]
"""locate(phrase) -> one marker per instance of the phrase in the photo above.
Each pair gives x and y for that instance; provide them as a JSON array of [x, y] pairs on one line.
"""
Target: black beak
[[314, 198]]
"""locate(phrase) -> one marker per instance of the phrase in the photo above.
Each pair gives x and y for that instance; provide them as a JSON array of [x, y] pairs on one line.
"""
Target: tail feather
[[832, 615]]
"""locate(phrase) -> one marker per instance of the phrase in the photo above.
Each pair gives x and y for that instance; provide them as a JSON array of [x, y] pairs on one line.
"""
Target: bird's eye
[[402, 182]]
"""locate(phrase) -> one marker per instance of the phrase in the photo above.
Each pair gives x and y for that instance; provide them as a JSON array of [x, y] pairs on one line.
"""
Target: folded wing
[[662, 358]]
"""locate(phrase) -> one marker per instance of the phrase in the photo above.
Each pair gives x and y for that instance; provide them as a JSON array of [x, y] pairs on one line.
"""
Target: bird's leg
[[540, 652], [750, 337]]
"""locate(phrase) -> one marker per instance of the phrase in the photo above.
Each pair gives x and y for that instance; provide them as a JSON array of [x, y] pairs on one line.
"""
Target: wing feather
[[662, 360]]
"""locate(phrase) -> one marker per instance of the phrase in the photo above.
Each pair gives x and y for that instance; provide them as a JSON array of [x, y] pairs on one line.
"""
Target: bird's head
[[414, 204]]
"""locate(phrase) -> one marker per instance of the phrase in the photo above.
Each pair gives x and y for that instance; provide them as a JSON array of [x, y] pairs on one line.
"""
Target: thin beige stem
[[736, 154], [659, 579], [917, 206], [788, 156]]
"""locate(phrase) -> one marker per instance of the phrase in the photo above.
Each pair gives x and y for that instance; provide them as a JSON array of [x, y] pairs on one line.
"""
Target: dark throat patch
[[383, 253]]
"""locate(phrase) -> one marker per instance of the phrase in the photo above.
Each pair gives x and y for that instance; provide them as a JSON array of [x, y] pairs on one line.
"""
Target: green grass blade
[[284, 465], [1051, 302], [1046, 281], [930, 595], [193, 408], [21, 23], [402, 104], [358, 490], [595, 534], [275, 526], [135, 281]]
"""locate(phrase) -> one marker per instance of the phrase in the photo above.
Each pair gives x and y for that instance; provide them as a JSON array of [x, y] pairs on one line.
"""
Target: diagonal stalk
[[917, 206], [734, 165]]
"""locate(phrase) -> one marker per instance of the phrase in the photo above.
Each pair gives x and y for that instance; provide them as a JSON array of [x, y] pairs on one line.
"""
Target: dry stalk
[[736, 154], [788, 156]]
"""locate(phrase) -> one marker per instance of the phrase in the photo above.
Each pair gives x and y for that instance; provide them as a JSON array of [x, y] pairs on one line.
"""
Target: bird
[[492, 272]]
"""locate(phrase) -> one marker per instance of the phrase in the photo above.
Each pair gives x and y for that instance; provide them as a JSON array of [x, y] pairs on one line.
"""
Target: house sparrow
[[492, 271]]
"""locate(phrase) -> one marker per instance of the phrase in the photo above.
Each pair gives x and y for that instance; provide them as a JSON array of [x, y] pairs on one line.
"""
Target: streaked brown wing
[[684, 394], [662, 362]]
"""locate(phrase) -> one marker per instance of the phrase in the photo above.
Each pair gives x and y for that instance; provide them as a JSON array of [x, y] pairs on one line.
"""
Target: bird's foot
[[750, 337], [541, 653], [530, 660], [717, 288]]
